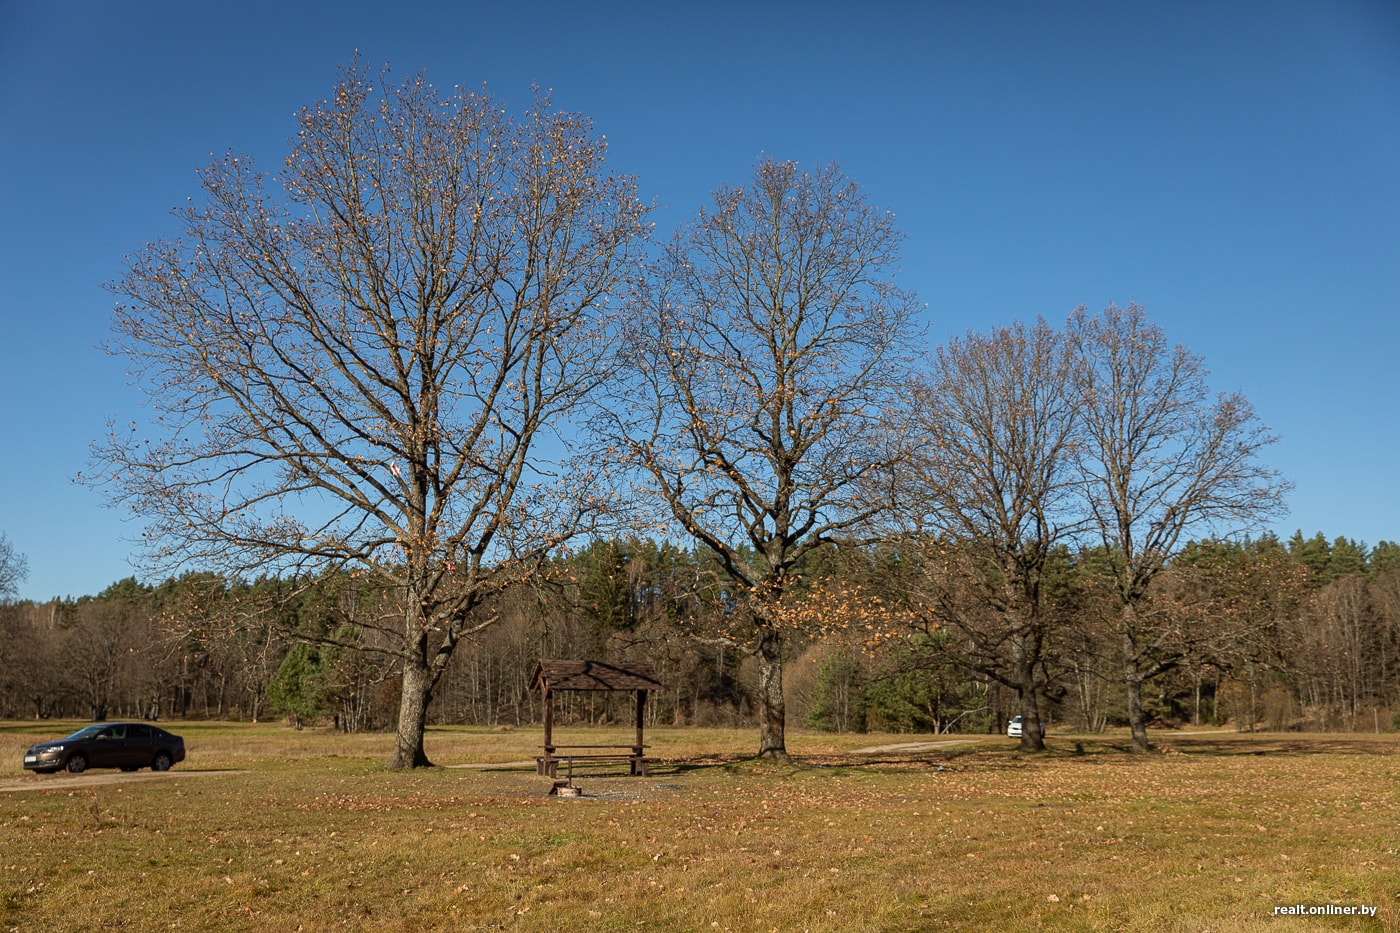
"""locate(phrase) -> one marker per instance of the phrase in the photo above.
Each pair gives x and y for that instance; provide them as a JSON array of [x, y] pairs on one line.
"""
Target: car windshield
[[86, 732]]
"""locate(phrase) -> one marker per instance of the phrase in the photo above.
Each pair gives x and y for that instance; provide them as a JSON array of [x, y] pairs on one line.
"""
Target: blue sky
[[1233, 167]]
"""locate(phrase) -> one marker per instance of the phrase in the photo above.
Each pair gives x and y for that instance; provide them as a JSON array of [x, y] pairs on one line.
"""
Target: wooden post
[[639, 750], [546, 763], [548, 720]]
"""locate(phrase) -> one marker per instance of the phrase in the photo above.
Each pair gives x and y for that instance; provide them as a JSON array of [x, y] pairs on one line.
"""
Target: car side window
[[139, 731]]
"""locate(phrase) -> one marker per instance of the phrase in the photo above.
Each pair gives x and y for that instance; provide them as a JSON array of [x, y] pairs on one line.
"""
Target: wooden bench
[[548, 763]]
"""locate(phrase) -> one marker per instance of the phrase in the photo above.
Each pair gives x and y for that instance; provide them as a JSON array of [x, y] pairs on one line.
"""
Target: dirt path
[[900, 747], [64, 781]]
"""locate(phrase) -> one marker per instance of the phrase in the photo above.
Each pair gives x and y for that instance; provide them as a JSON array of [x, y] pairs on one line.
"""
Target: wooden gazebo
[[550, 677]]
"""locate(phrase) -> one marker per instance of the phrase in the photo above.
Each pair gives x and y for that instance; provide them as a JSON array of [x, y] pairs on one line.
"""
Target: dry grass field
[[266, 829]]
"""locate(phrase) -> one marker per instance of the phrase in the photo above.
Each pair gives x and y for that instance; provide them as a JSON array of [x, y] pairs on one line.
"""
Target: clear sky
[[1233, 167]]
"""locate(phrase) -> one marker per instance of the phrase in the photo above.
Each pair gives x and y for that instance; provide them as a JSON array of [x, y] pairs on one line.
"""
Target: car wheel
[[77, 764], [162, 762]]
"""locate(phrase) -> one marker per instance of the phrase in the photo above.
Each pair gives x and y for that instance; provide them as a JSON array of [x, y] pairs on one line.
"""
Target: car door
[[108, 748], [139, 741]]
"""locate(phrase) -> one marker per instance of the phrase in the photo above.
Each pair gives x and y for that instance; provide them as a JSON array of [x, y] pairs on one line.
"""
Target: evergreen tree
[[297, 690], [1385, 556], [1348, 557], [837, 701], [1313, 553]]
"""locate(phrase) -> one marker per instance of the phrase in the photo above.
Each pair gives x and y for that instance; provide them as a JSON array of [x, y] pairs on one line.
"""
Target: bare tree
[[1224, 606], [1345, 647], [354, 364], [14, 569], [766, 364], [99, 653], [995, 485], [1159, 457]]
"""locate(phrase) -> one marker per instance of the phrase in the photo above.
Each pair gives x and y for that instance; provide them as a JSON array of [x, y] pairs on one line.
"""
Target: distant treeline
[[1258, 634]]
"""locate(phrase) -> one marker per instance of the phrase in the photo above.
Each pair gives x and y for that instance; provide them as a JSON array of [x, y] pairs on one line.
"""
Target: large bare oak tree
[[767, 360], [1159, 456], [354, 362], [994, 485]]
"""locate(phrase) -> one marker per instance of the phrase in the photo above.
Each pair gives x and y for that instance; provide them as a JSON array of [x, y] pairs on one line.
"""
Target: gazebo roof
[[594, 675]]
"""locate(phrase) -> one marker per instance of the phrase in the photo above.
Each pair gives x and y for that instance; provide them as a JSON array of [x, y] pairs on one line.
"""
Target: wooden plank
[[594, 746]]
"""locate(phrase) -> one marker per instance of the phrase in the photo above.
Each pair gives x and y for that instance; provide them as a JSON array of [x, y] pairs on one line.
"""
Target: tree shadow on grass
[[985, 758], [1246, 745], [1234, 745], [920, 763]]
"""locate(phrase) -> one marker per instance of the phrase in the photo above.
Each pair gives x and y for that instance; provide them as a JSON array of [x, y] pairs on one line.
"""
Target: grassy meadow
[[263, 828]]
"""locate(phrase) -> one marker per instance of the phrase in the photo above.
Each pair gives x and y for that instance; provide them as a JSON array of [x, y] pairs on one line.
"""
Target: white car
[[1013, 728]]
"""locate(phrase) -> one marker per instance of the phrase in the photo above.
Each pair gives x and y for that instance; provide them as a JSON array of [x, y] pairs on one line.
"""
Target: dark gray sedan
[[125, 745]]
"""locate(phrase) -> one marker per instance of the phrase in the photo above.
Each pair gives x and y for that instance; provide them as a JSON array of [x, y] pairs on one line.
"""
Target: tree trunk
[[1031, 739], [1196, 710], [772, 742], [1028, 651], [1132, 682], [413, 716]]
